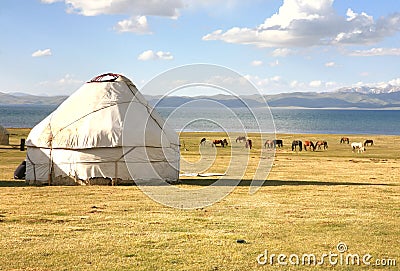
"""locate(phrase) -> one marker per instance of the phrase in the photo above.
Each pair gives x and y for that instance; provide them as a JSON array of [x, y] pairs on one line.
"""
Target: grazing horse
[[273, 143], [309, 144], [368, 141], [269, 144], [296, 143], [358, 146], [240, 139], [203, 141], [223, 142], [344, 140], [249, 143], [319, 144], [278, 142]]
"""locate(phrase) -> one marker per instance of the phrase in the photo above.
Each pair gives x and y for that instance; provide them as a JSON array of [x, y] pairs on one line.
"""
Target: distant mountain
[[383, 97], [298, 99], [387, 88], [22, 98], [339, 99]]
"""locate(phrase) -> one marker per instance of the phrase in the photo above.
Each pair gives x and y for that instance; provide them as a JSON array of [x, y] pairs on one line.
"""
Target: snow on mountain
[[380, 89]]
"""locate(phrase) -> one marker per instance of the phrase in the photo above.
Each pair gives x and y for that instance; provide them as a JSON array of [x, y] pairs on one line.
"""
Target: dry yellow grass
[[310, 202]]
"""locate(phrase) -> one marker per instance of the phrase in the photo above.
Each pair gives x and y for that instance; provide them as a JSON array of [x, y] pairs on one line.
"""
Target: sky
[[52, 47]]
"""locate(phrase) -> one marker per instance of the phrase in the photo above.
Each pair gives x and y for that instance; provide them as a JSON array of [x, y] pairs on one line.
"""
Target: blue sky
[[54, 46]]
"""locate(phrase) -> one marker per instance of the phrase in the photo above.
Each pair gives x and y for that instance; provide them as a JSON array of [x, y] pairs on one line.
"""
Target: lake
[[324, 121]]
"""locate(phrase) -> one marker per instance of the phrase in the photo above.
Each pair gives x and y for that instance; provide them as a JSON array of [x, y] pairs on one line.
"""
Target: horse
[[319, 144], [309, 144], [223, 142], [296, 143], [368, 141], [203, 141], [344, 140], [278, 142], [249, 143], [358, 146], [269, 144], [240, 139], [273, 143]]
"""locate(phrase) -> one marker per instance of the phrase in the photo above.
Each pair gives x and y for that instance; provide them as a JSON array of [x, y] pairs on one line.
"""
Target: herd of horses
[[358, 146], [296, 144]]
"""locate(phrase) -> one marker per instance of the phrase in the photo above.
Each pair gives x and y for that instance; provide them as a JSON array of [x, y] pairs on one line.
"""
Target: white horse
[[359, 146]]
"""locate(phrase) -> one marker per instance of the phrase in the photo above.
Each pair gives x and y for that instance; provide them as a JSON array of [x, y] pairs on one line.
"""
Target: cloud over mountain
[[308, 23]]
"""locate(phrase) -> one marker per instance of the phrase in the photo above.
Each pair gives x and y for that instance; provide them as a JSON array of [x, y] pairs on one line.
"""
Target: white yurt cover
[[105, 132]]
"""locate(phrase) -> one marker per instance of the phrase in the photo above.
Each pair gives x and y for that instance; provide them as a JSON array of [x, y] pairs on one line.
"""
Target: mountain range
[[382, 97]]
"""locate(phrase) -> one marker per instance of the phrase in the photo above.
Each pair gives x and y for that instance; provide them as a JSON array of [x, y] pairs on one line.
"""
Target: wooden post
[[22, 146]]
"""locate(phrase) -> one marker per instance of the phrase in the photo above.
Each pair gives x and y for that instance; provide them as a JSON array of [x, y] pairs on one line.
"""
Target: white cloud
[[330, 64], [69, 79], [40, 53], [303, 23], [151, 55], [362, 28], [65, 85], [274, 63], [376, 52], [395, 82], [50, 1], [137, 10], [136, 24], [315, 83], [278, 84], [256, 63], [282, 52], [331, 85], [166, 8]]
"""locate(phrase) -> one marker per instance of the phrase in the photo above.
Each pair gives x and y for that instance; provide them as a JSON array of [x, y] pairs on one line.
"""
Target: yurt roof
[[94, 117]]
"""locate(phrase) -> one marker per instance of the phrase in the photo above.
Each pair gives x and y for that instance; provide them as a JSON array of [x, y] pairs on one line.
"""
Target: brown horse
[[344, 140], [222, 142], [269, 144], [240, 139], [203, 141], [249, 143], [309, 144], [319, 145]]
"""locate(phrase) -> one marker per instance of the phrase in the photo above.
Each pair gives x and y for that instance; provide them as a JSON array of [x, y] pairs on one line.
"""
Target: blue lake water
[[327, 121]]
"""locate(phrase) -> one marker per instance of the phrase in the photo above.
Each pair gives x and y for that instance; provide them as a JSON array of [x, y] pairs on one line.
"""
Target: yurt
[[104, 133], [4, 136]]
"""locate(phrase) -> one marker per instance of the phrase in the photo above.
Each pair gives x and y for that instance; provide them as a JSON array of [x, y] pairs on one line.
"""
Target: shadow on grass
[[13, 183], [207, 182]]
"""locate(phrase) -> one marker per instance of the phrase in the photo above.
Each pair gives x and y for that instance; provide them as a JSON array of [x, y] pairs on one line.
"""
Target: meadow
[[310, 203]]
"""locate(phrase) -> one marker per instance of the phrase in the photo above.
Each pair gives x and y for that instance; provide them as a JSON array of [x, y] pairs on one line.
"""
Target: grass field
[[310, 202]]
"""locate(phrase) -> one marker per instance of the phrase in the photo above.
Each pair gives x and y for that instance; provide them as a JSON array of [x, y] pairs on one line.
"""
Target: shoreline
[[252, 133]]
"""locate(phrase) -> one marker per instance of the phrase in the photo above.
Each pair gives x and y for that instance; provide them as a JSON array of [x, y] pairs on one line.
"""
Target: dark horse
[[223, 142], [368, 141], [296, 143], [249, 143], [240, 139], [319, 144], [344, 140], [278, 142], [203, 141], [309, 144]]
